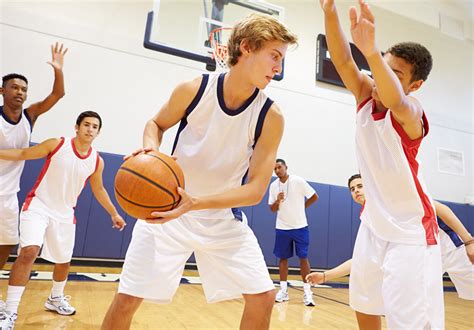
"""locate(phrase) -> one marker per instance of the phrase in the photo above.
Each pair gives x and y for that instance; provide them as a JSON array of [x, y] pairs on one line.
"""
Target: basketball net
[[218, 39]]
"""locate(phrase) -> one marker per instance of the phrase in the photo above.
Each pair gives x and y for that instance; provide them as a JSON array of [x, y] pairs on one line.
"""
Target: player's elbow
[[256, 197]]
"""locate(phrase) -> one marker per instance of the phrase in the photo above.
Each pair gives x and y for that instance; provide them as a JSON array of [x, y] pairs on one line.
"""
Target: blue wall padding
[[333, 221]]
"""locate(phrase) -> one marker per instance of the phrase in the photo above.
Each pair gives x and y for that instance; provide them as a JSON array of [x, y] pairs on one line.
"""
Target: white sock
[[307, 288], [14, 294], [284, 285], [58, 289]]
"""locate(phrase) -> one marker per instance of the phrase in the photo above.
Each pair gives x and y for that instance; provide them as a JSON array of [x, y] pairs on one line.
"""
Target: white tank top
[[61, 180], [398, 207], [13, 136], [214, 144]]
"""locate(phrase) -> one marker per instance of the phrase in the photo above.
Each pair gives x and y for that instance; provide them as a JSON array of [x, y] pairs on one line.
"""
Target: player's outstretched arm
[[448, 216], [358, 83], [103, 198], [406, 109], [57, 62], [260, 172], [343, 269], [40, 150]]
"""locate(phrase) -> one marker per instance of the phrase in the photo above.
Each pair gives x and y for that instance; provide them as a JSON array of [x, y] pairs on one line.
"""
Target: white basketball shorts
[[56, 237], [229, 259], [9, 220], [402, 282]]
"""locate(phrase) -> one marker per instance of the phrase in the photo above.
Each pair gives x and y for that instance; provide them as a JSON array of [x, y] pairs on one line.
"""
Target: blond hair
[[256, 29]]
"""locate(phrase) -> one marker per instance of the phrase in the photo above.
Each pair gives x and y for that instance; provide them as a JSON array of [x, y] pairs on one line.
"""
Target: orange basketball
[[148, 182]]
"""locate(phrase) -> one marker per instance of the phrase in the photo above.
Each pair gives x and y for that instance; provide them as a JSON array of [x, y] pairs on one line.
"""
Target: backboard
[[182, 27]]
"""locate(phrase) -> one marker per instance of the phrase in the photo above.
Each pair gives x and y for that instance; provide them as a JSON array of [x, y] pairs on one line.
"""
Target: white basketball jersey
[[214, 144], [398, 207], [61, 180], [13, 136]]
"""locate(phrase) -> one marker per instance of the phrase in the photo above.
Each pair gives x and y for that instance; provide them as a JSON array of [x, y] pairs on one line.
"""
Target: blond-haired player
[[226, 144]]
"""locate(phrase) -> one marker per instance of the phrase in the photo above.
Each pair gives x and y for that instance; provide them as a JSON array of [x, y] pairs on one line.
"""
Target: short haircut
[[355, 176], [256, 29], [11, 76], [415, 54], [86, 114], [279, 160]]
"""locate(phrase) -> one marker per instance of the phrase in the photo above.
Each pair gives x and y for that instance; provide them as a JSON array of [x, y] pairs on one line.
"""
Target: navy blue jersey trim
[[220, 98], [29, 119], [452, 235], [261, 120], [194, 103], [237, 213], [8, 119]]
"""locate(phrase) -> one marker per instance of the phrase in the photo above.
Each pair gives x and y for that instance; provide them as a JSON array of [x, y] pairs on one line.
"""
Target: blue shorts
[[284, 243]]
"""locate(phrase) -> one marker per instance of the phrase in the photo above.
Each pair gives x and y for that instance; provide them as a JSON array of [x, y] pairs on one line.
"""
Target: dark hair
[[11, 76], [355, 176], [415, 54], [85, 114], [279, 160]]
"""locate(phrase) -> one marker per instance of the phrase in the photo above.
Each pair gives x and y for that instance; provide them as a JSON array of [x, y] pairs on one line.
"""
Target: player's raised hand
[[118, 222], [57, 54], [327, 5], [184, 206], [363, 29]]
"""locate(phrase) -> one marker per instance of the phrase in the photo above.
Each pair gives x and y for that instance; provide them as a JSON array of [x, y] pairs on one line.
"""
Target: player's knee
[[125, 303], [268, 298], [262, 299], [28, 254]]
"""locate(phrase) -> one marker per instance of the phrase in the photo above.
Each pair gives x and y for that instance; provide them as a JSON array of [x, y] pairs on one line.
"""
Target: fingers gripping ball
[[148, 182]]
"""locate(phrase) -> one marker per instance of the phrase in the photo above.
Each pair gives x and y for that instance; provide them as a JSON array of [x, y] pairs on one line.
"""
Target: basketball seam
[[149, 181], [141, 205], [169, 167]]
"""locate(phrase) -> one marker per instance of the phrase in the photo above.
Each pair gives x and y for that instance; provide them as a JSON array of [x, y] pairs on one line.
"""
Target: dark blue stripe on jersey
[[261, 120], [8, 119], [194, 103], [29, 119], [220, 98], [258, 130], [454, 237], [237, 213]]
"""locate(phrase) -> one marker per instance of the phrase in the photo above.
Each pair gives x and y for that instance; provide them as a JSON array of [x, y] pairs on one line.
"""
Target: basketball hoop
[[218, 40]]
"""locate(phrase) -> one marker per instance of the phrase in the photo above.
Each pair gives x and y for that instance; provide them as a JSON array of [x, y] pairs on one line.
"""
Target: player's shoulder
[[275, 111], [189, 87], [274, 119], [274, 183], [297, 178]]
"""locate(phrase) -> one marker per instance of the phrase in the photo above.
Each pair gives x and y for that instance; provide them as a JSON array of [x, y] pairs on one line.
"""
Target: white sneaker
[[282, 296], [308, 299], [60, 305], [7, 321]]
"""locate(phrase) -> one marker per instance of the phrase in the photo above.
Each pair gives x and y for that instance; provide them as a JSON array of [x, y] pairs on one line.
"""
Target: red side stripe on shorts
[[32, 193], [410, 148]]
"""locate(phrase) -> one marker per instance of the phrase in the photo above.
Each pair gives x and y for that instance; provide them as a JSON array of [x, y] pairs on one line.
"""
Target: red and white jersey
[[398, 207], [61, 180], [13, 136]]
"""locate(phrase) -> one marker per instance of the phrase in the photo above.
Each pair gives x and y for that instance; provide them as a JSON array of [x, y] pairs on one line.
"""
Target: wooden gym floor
[[189, 309]]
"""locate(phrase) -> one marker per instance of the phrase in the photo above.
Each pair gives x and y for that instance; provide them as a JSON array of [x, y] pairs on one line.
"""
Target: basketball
[[148, 182]]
